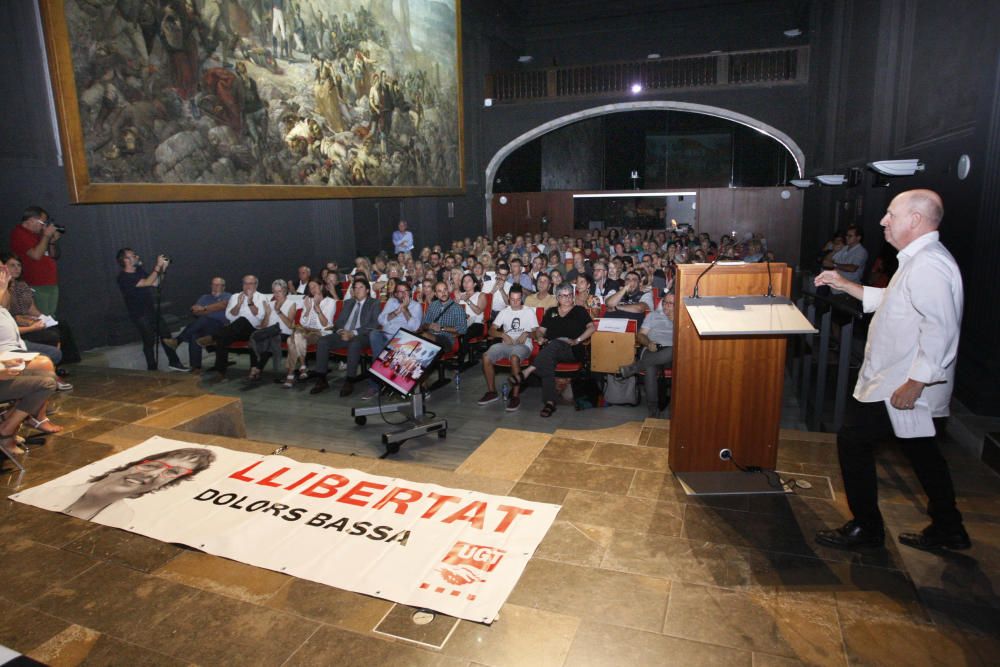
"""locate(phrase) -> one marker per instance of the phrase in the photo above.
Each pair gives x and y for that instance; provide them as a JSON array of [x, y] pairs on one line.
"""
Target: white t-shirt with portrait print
[[516, 323]]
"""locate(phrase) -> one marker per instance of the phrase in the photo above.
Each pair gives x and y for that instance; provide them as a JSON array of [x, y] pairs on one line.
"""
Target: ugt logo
[[462, 562]]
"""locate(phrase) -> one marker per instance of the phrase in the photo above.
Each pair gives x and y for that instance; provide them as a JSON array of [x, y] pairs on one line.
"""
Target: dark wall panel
[[573, 157]]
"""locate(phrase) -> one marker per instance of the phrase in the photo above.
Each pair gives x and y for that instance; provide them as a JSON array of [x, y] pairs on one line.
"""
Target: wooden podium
[[728, 379]]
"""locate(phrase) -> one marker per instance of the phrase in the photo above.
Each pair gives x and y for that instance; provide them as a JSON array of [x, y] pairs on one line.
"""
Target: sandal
[[303, 374], [548, 409], [289, 382], [39, 425]]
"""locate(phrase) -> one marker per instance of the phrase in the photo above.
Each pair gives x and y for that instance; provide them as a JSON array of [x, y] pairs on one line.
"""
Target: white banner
[[455, 551]]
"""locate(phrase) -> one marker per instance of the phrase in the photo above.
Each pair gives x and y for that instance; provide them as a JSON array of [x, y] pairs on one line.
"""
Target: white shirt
[[257, 299], [914, 334], [288, 308], [471, 317], [310, 318]]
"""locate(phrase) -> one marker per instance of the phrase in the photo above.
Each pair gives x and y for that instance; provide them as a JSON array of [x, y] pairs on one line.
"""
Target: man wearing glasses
[[105, 493], [400, 311]]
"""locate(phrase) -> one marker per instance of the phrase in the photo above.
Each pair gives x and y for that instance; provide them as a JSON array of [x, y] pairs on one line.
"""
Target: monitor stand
[[422, 425]]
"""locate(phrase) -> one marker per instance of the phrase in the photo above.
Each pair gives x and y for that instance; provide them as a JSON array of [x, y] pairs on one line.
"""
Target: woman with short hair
[[266, 341], [563, 330]]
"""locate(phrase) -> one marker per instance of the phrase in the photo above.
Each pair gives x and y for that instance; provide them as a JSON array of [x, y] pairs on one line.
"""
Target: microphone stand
[[156, 317], [694, 292]]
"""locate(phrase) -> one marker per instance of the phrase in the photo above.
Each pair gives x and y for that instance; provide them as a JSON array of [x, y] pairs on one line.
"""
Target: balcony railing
[[740, 68]]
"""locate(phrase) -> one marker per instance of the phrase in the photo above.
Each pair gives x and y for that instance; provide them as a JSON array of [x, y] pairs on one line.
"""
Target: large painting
[[257, 99]]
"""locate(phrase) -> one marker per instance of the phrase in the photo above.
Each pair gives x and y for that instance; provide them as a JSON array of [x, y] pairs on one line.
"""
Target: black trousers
[[867, 424], [238, 329], [147, 330]]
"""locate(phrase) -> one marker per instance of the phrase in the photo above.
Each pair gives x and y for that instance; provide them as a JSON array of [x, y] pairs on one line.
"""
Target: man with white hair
[[909, 365]]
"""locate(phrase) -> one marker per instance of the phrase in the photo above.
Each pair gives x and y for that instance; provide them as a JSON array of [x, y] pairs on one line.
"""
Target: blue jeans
[[53, 353], [203, 326]]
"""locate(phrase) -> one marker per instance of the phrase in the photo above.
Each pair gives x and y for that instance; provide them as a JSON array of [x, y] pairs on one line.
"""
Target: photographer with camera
[[35, 241], [136, 286]]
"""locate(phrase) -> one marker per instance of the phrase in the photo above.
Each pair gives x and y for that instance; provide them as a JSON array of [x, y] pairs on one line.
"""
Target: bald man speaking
[[909, 363]]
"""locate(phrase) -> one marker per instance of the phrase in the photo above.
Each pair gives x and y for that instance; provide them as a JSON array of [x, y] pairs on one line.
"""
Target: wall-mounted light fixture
[[897, 167], [801, 182], [831, 179]]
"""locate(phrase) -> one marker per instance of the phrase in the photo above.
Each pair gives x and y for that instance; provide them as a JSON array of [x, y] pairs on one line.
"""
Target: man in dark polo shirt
[[35, 242]]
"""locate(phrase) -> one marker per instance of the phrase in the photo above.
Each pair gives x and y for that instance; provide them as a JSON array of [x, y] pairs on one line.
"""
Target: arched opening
[[494, 166]]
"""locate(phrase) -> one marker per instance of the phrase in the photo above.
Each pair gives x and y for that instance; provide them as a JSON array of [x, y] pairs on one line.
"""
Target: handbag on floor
[[621, 391]]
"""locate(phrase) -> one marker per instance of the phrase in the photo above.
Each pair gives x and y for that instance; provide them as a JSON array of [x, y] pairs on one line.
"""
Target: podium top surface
[[746, 316]]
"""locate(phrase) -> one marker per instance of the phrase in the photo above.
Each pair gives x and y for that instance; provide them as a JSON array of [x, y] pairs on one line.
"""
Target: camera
[[52, 223]]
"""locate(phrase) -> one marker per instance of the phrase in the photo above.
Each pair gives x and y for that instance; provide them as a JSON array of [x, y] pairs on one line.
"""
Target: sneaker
[[63, 386], [170, 342], [178, 368], [369, 394], [489, 397], [513, 403]]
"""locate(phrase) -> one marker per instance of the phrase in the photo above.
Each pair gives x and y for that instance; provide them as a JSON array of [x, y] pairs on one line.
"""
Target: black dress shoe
[[934, 539], [851, 536], [347, 389], [320, 387]]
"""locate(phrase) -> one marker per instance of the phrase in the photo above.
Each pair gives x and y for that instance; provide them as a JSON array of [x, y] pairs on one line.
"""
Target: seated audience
[[513, 326], [561, 334], [543, 298], [30, 382], [473, 301], [20, 301], [246, 311], [316, 322], [400, 312], [444, 319], [266, 341], [210, 313], [630, 301], [351, 330], [656, 336]]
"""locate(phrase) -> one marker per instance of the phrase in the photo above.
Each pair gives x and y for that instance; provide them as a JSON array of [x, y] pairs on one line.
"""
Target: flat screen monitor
[[404, 361]]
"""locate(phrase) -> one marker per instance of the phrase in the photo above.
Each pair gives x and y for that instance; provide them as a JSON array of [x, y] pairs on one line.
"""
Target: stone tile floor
[[633, 572]]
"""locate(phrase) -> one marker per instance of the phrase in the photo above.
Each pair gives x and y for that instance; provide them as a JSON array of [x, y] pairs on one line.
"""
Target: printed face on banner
[[456, 551]]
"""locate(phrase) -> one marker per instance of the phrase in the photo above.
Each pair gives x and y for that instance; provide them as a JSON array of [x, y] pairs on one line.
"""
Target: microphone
[[770, 284], [694, 293]]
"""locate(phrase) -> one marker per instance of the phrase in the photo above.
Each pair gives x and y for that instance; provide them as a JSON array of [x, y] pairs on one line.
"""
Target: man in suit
[[358, 318]]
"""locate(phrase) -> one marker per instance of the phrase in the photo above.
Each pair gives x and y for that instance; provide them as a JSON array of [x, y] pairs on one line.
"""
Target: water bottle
[[505, 390], [458, 381]]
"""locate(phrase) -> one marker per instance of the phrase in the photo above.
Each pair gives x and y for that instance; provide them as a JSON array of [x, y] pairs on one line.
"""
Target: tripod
[[156, 316]]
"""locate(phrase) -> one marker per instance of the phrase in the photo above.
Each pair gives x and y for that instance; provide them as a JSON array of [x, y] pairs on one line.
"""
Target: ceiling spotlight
[[897, 167], [801, 182], [831, 179], [653, 56], [636, 88], [525, 59], [793, 32], [488, 102]]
